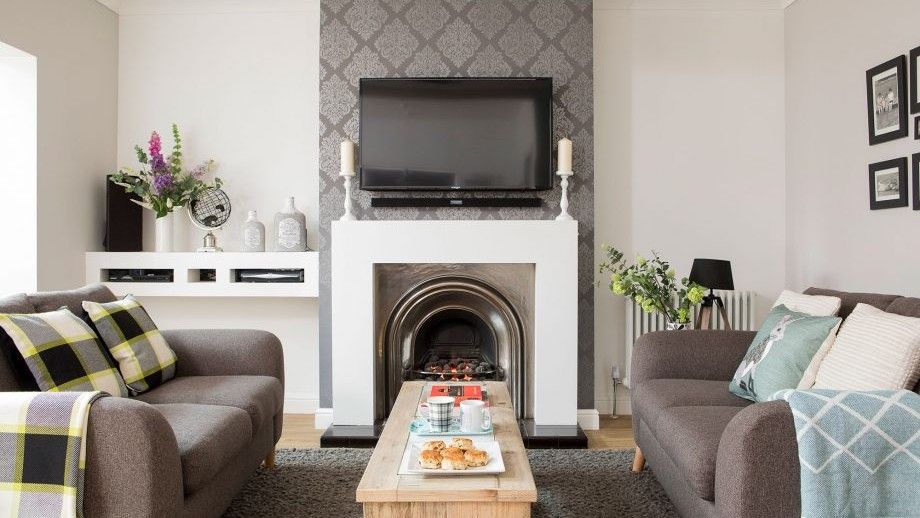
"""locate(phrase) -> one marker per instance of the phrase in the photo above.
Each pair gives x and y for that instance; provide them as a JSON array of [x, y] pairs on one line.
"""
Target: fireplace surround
[[454, 322], [359, 250]]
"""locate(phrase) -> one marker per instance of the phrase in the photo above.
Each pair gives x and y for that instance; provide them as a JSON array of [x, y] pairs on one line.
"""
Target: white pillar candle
[[348, 157], [565, 156]]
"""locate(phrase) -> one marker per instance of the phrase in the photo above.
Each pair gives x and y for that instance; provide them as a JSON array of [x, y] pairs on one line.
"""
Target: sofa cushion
[[690, 436], [848, 301], [906, 306], [260, 396], [144, 358], [62, 352], [73, 299], [656, 395], [209, 437], [14, 373]]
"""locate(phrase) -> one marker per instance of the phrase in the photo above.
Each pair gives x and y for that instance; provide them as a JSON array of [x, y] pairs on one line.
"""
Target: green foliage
[[652, 284]]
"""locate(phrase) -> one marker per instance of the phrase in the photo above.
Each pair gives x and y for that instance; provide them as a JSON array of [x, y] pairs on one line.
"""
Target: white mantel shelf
[[551, 246], [186, 266]]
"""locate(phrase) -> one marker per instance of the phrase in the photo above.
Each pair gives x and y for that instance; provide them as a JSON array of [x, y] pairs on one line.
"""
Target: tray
[[409, 465], [420, 426]]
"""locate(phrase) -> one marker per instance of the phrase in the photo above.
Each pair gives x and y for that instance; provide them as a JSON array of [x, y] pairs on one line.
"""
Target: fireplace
[[454, 322]]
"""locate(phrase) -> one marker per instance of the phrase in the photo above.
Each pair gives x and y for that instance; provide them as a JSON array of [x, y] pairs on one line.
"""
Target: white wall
[[241, 80], [834, 240], [75, 43], [689, 128], [18, 143]]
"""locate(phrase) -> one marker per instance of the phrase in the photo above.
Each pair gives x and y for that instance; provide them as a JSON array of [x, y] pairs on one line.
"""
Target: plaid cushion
[[143, 356], [43, 452], [62, 352]]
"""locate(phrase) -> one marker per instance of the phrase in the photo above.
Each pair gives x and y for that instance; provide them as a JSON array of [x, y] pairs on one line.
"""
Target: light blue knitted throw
[[859, 452]]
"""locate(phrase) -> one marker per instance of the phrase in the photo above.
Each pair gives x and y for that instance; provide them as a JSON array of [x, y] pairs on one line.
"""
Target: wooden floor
[[614, 434]]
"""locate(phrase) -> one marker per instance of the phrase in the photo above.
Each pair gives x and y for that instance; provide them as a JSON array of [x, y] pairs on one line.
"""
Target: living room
[[252, 245]]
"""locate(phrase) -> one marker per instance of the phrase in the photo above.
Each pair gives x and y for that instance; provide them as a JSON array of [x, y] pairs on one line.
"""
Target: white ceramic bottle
[[290, 229], [253, 234]]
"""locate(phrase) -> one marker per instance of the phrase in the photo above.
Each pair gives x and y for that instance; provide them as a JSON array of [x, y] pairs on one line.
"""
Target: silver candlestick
[[348, 216], [564, 199]]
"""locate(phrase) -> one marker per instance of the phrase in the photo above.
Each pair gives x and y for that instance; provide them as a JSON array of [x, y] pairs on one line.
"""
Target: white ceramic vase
[[164, 233]]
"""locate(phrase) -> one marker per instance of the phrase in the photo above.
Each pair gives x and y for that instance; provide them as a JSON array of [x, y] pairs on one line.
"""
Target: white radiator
[[738, 304]]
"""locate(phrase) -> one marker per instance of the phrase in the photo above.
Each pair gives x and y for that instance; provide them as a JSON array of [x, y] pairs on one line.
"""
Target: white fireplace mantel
[[551, 246]]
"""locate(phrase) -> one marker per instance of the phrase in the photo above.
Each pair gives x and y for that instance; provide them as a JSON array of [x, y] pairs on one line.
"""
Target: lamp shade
[[715, 274]]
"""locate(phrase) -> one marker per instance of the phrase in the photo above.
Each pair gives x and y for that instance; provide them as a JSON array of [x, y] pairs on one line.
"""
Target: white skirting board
[[588, 418], [605, 406], [322, 419], [300, 404]]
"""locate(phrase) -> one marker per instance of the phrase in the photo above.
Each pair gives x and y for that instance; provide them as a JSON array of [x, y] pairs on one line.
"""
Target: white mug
[[473, 416], [440, 411]]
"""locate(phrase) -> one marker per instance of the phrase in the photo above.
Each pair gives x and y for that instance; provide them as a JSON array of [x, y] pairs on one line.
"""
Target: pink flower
[[155, 145]]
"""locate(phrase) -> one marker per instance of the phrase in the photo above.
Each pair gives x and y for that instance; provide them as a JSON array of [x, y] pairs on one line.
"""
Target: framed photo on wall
[[888, 184], [914, 85], [915, 166], [886, 101], [917, 127]]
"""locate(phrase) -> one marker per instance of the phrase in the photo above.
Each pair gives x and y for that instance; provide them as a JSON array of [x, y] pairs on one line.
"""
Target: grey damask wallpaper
[[451, 38]]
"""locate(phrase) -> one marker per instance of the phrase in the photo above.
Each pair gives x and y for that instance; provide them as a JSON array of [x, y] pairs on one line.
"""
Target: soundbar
[[456, 202]]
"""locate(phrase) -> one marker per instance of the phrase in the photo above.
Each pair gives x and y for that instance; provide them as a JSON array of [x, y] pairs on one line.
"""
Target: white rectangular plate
[[409, 464]]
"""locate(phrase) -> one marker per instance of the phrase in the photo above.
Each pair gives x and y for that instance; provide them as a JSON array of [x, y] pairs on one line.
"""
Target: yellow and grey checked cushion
[[62, 352], [144, 358]]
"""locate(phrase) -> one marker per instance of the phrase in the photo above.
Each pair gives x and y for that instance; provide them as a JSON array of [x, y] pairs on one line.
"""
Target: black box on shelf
[[139, 275], [269, 275]]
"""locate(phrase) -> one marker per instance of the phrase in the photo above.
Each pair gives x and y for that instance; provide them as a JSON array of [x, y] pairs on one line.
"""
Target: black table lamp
[[715, 274]]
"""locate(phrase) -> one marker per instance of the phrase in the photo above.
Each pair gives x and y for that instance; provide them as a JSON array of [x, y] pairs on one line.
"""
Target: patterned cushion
[[143, 356], [62, 352], [781, 352]]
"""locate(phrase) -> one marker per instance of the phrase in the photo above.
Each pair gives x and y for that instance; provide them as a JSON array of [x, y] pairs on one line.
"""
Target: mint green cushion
[[780, 353]]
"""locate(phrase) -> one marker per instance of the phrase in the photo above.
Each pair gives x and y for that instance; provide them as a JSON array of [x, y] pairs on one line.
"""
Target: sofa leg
[[270, 460], [638, 461]]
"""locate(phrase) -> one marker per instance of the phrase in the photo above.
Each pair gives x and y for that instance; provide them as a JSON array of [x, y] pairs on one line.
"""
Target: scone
[[452, 458], [476, 458], [429, 459], [461, 442], [434, 445]]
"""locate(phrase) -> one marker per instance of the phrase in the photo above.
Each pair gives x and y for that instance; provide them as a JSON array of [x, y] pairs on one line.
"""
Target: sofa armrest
[[699, 355], [757, 467], [132, 462], [224, 352]]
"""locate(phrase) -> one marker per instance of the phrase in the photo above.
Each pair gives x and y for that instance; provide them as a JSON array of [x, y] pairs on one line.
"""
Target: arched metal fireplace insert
[[453, 327]]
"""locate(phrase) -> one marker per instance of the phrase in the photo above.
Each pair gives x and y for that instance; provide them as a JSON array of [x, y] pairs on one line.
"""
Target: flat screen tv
[[456, 134]]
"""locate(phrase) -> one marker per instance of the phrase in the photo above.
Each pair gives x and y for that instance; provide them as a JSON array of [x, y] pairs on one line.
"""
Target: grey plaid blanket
[[43, 453]]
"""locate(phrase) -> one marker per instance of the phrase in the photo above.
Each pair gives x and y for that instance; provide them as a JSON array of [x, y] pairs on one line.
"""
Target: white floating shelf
[[186, 267]]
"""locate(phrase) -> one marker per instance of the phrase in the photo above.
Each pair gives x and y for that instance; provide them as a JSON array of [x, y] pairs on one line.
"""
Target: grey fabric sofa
[[186, 447], [717, 454]]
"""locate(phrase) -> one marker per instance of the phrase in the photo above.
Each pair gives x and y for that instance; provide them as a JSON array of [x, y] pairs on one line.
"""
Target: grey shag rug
[[576, 483]]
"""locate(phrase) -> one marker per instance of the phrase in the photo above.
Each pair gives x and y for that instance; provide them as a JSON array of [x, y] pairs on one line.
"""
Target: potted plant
[[163, 184], [653, 285]]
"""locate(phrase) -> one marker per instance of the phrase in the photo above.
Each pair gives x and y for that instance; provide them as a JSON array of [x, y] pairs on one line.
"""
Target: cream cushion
[[874, 350], [814, 305]]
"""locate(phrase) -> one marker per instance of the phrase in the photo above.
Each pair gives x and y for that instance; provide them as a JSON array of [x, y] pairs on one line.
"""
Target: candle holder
[[349, 206], [564, 199]]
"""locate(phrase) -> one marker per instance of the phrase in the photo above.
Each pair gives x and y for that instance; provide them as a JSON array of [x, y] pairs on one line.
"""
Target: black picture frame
[[917, 127], [915, 167], [891, 199], [876, 102], [914, 85]]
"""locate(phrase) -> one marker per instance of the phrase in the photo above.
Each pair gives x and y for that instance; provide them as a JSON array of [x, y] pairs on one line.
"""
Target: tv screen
[[456, 134]]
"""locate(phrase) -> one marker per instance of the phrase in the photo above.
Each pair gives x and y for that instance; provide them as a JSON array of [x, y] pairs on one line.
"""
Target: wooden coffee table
[[386, 494]]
